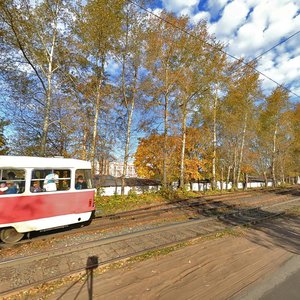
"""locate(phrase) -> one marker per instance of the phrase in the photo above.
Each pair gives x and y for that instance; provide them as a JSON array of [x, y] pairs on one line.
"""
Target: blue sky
[[250, 27]]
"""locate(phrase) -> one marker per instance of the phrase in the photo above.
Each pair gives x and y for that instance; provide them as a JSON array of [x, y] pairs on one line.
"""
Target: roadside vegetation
[[86, 79], [119, 203]]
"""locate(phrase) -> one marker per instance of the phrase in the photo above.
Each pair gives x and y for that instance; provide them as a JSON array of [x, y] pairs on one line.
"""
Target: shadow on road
[[91, 264], [284, 233], [276, 230]]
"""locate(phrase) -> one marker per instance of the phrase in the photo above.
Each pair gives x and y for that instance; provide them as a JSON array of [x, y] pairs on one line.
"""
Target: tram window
[[12, 181], [50, 180], [83, 179]]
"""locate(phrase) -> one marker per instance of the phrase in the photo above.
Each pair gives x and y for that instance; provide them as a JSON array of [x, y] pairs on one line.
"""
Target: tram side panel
[[46, 210]]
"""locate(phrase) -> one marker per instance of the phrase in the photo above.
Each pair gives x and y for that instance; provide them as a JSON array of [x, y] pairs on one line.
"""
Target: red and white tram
[[38, 193]]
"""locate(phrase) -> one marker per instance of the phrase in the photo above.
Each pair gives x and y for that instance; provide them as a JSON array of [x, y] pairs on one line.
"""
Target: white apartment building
[[116, 169]]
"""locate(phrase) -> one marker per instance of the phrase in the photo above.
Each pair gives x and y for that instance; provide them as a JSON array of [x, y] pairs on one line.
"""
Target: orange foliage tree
[[149, 157]]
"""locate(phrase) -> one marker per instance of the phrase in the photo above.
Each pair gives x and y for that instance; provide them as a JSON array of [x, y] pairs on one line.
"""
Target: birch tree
[[32, 34], [162, 51], [129, 55], [294, 153], [98, 26], [208, 109], [193, 82], [3, 143], [238, 114], [272, 126]]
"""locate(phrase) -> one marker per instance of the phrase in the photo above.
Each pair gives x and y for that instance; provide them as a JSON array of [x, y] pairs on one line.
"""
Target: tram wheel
[[10, 235]]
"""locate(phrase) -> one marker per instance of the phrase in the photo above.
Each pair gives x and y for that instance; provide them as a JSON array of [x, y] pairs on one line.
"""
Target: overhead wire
[[270, 49], [248, 64]]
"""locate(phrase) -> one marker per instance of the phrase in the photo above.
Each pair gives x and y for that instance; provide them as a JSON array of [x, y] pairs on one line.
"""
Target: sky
[[249, 28]]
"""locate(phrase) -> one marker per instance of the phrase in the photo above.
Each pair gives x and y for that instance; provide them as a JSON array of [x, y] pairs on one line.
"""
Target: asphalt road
[[288, 289], [283, 284]]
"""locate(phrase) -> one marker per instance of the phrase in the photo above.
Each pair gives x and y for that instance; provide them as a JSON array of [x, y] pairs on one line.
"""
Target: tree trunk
[[242, 150], [228, 177], [96, 117], [166, 129], [48, 98], [245, 181], [128, 134], [165, 153], [214, 141], [234, 179], [46, 118], [95, 130], [222, 177], [274, 183], [266, 179], [84, 143], [183, 141]]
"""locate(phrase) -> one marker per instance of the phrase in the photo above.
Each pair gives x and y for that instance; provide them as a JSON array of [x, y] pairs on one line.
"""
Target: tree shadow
[[295, 191], [284, 232], [273, 229]]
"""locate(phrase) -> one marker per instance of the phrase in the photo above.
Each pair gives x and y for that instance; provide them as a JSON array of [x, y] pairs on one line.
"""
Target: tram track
[[63, 262], [187, 208]]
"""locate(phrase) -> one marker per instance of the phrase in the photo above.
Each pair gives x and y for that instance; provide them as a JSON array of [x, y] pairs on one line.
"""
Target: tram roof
[[42, 162]]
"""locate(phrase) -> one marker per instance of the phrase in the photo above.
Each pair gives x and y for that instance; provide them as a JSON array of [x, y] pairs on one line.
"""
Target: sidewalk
[[213, 269]]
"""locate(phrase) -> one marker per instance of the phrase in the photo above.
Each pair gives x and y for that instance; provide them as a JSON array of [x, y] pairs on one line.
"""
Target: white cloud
[[182, 7], [233, 16], [250, 38], [202, 15], [216, 6], [250, 27], [254, 26]]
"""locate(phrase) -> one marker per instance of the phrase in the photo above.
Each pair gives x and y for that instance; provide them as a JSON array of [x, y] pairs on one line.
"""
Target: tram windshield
[[83, 179]]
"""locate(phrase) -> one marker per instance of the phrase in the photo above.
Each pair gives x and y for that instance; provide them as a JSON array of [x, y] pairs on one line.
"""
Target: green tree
[[208, 108], [32, 42], [129, 55], [3, 143], [97, 29]]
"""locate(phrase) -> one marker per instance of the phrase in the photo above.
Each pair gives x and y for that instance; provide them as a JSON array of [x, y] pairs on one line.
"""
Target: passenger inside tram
[[80, 183], [11, 188], [3, 188], [12, 176], [36, 187], [50, 182]]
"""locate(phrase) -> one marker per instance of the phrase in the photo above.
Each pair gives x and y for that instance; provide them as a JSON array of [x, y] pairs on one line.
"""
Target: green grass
[[117, 203]]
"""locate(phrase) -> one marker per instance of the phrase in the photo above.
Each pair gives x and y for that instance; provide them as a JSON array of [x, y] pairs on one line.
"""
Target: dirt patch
[[213, 269]]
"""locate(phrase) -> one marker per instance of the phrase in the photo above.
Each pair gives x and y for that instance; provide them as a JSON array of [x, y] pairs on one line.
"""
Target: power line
[[259, 56], [215, 47]]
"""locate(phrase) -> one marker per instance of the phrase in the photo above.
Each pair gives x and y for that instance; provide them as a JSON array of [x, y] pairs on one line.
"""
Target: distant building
[[116, 169], [108, 185], [102, 167]]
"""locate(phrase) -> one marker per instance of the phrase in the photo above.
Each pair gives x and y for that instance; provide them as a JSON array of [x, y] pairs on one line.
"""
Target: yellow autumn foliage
[[149, 157]]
